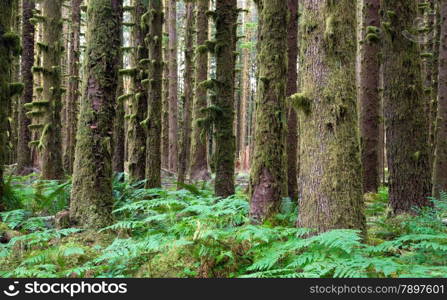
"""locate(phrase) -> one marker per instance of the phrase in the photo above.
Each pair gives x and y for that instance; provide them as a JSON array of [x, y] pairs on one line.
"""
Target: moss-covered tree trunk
[[173, 86], [404, 106], [71, 109], [119, 134], [165, 94], [91, 197], [369, 95], [138, 97], [292, 88], [330, 173], [24, 160], [226, 22], [47, 108], [155, 75], [185, 150], [7, 41], [267, 170], [440, 163], [246, 87], [199, 162]]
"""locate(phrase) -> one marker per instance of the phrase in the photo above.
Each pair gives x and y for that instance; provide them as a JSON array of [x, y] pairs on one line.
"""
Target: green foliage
[[191, 233]]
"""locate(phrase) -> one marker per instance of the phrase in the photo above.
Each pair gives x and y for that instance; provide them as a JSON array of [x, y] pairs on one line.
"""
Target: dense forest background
[[223, 138]]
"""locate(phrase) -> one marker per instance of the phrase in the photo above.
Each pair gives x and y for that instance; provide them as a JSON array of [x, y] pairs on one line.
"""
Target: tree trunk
[[185, 150], [173, 85], [71, 109], [226, 22], [292, 88], [8, 41], [138, 97], [369, 95], [330, 172], [46, 110], [91, 198], [165, 95], [199, 162], [440, 164], [267, 171], [24, 160], [153, 122], [404, 106]]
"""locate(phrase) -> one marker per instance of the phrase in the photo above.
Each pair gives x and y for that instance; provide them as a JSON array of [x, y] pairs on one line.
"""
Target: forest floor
[[188, 233]]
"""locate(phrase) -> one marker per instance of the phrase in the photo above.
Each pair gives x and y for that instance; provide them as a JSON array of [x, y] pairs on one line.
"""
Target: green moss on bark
[[91, 198]]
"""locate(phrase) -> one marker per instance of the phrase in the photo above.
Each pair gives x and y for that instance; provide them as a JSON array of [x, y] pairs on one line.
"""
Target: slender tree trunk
[[173, 86], [369, 95], [119, 136], [226, 21], [440, 164], [8, 41], [405, 119], [24, 160], [153, 122], [330, 173], [91, 198], [73, 85], [46, 111], [292, 88], [246, 85], [138, 97], [165, 95], [199, 162], [184, 158], [267, 171]]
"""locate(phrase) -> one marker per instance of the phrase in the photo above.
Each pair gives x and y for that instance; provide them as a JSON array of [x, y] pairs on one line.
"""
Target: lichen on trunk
[[267, 170], [330, 173], [91, 197]]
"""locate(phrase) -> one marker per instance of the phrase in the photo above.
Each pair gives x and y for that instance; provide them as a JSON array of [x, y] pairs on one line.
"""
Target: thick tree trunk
[[292, 88], [138, 97], [71, 110], [267, 171], [91, 199], [369, 95], [199, 162], [8, 41], [46, 110], [330, 173], [226, 21], [440, 164], [405, 119], [185, 151], [153, 121], [24, 160], [173, 86]]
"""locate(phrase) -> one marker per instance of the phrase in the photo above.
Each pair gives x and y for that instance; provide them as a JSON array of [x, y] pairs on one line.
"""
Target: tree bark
[[330, 173], [8, 41], [24, 159], [165, 95], [292, 88], [185, 151], [369, 95], [153, 122], [267, 171], [173, 86], [440, 163], [91, 198], [46, 110], [199, 162], [404, 106], [226, 22]]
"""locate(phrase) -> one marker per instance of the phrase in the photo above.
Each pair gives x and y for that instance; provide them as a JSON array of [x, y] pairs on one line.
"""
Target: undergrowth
[[191, 233]]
